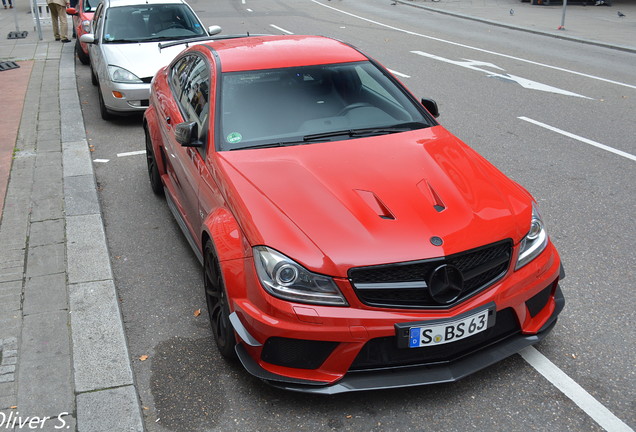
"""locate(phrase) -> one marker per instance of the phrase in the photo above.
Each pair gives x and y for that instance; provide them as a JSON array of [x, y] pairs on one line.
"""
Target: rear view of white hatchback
[[124, 48]]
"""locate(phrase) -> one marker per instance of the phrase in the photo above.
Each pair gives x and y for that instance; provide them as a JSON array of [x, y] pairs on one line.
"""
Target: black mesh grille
[[480, 268], [297, 353], [383, 352]]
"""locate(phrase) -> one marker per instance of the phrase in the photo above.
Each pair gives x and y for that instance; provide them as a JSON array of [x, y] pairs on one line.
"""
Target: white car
[[125, 52]]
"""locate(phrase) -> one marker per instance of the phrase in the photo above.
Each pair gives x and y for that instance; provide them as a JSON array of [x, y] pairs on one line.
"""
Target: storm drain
[[8, 359], [8, 65]]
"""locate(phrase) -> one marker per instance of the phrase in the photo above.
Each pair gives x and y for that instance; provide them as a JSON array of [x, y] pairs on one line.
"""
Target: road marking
[[132, 153], [580, 138], [399, 74], [575, 392], [476, 49], [101, 160], [249, 10], [281, 29], [523, 82]]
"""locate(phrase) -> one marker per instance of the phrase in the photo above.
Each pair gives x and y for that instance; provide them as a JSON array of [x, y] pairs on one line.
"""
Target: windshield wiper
[[357, 132]]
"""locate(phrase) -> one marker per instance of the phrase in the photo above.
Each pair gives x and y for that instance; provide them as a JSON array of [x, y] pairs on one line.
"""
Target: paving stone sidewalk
[[64, 361]]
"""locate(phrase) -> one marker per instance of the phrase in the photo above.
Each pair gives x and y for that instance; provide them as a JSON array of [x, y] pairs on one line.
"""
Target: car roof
[[271, 52], [116, 3]]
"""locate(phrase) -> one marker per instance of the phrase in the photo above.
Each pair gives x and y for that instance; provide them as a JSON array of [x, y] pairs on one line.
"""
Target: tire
[[218, 309], [153, 169], [94, 79], [106, 115], [83, 57]]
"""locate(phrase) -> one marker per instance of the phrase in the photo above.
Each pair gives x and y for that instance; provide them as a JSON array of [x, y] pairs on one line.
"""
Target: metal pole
[[36, 11], [15, 17], [565, 5]]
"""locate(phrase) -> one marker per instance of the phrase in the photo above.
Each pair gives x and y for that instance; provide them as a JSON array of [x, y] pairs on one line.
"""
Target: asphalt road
[[484, 79]]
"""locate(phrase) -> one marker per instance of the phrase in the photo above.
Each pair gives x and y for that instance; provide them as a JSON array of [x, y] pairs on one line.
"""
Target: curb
[[106, 397], [520, 28]]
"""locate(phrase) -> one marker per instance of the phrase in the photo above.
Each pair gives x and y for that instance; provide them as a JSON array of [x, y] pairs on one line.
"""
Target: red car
[[348, 241], [82, 16]]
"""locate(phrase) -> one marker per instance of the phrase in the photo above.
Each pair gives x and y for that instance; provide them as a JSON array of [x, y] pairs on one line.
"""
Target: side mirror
[[186, 134], [71, 11], [430, 105], [88, 38], [213, 30]]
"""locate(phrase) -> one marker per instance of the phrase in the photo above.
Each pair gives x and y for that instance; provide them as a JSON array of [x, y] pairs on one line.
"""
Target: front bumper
[[134, 97], [323, 349], [410, 376]]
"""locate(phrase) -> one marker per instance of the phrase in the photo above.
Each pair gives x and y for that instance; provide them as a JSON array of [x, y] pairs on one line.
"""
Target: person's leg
[[4, 4], [53, 10], [61, 12]]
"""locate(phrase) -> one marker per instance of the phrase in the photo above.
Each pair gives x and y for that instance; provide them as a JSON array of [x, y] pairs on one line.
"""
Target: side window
[[190, 82]]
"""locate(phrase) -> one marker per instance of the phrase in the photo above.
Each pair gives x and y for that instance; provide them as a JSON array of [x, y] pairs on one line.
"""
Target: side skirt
[[173, 209]]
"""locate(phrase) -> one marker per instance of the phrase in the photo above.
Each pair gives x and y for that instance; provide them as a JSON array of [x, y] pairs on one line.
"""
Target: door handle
[[168, 119]]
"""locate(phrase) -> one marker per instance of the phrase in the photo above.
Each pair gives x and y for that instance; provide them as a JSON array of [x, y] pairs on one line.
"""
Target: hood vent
[[376, 204], [428, 190]]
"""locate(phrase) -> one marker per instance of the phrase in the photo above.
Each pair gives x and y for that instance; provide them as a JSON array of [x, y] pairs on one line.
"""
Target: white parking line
[[575, 392], [132, 153], [396, 73], [580, 138], [475, 48], [281, 29]]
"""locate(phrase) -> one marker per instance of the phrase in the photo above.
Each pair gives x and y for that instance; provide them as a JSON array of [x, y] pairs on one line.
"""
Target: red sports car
[[82, 16], [348, 241]]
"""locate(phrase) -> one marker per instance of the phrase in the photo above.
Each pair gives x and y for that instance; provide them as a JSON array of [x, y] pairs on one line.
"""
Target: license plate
[[447, 331]]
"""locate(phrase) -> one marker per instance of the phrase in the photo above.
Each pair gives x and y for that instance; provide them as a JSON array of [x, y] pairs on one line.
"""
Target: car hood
[[373, 200], [142, 59]]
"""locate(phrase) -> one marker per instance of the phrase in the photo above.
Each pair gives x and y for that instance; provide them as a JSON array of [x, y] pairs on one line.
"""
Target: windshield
[[88, 5], [148, 23], [307, 104]]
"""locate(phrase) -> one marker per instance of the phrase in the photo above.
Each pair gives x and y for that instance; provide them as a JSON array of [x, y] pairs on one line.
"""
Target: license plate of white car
[[448, 331]]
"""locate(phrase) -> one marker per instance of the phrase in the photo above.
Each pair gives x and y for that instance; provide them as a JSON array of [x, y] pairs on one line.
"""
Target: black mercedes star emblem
[[446, 284]]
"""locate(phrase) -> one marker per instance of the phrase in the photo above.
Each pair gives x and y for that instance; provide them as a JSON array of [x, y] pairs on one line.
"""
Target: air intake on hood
[[376, 204], [426, 188]]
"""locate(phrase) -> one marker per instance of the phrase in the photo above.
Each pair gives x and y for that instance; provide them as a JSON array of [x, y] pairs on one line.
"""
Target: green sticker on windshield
[[234, 138]]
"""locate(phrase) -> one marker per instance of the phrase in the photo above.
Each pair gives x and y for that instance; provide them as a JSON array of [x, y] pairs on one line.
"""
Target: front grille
[[404, 285], [384, 353]]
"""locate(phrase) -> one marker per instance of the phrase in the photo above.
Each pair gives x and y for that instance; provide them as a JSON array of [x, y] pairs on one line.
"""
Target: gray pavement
[[63, 351]]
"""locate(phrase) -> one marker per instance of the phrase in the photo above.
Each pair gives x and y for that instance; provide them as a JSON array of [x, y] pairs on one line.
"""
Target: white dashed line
[[280, 29], [132, 153], [101, 160], [575, 392], [580, 138]]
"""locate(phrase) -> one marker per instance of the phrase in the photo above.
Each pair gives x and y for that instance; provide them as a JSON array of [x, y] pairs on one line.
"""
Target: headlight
[[86, 26], [121, 75], [288, 280], [534, 242]]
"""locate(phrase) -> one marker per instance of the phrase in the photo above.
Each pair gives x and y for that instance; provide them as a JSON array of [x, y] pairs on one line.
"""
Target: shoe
[[65, 40], [5, 6], [10, 6], [57, 39]]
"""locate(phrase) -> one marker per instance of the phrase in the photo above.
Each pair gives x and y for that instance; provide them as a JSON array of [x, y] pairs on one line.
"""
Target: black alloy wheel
[[153, 170], [218, 308]]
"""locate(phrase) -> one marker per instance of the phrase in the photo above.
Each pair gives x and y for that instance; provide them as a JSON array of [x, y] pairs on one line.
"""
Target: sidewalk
[[63, 351], [596, 25], [64, 363]]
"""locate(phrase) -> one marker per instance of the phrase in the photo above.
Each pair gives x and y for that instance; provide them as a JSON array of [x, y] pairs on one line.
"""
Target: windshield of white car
[[149, 23], [302, 105]]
